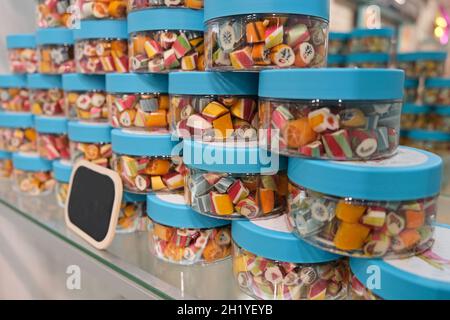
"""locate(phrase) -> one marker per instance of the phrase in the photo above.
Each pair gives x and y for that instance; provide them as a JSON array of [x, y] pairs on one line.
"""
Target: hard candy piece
[[214, 110], [322, 210], [229, 36], [248, 208], [297, 35], [221, 204], [414, 219], [377, 245], [318, 119], [280, 117], [375, 217], [394, 223], [299, 133], [267, 200], [244, 109], [314, 149], [308, 275], [242, 59], [405, 240], [223, 126], [382, 139], [142, 182], [255, 31], [224, 184], [173, 180], [349, 212], [337, 145], [202, 203], [152, 48], [318, 290], [352, 118], [189, 62], [181, 46], [282, 55], [351, 236], [237, 191], [158, 167], [273, 275], [364, 142], [305, 55], [273, 36]]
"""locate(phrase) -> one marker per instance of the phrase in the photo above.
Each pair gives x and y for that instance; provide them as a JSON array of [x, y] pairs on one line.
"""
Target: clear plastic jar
[[52, 139], [22, 53], [368, 60], [277, 34], [101, 9], [371, 40], [145, 162], [437, 91], [144, 4], [411, 90], [54, 13], [239, 182], [390, 217], [62, 171], [305, 113], [32, 175], [85, 97], [17, 132], [214, 106], [163, 40], [91, 142], [338, 43], [297, 272], [132, 211], [6, 166], [14, 95], [55, 51], [336, 61], [417, 117], [46, 95], [101, 47], [422, 64], [441, 119], [177, 234], [138, 102]]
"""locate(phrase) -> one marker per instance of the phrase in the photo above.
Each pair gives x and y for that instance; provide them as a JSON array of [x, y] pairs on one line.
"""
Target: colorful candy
[[422, 64], [101, 9], [143, 4], [15, 99], [62, 192], [6, 168], [86, 105], [130, 216], [371, 40], [33, 183], [18, 139], [47, 102], [53, 146], [98, 153], [56, 59], [100, 56], [437, 92], [54, 13], [22, 60]]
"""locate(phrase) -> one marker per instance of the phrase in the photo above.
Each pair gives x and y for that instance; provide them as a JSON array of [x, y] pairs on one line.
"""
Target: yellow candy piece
[[223, 126], [348, 212], [222, 204], [157, 183], [214, 110]]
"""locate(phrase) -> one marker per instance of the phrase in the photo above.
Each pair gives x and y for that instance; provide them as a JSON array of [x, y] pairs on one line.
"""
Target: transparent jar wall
[[54, 13], [33, 183], [423, 68], [61, 192], [18, 139], [359, 292], [56, 59], [437, 96], [419, 121], [228, 196], [213, 117], [360, 228], [370, 44], [101, 56], [47, 102], [440, 122], [6, 168], [22, 60], [368, 65], [261, 41], [267, 279], [53, 146], [15, 99], [410, 95], [98, 153], [337, 46], [338, 130], [101, 9], [143, 4], [86, 105], [130, 215], [164, 51], [408, 67], [150, 174], [139, 111], [189, 246]]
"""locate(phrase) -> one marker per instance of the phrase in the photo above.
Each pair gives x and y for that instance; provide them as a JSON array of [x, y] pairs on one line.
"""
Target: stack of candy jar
[[85, 97], [138, 102], [163, 40], [368, 60], [32, 175], [437, 92], [14, 94], [177, 234], [441, 119], [132, 214], [270, 263], [144, 4], [22, 53], [371, 40], [91, 142], [146, 162], [422, 64], [101, 9], [101, 47], [6, 166], [388, 217], [336, 114], [411, 90], [55, 51], [52, 140], [17, 132], [338, 43], [415, 117], [240, 181], [54, 13], [255, 35], [61, 173], [214, 106], [46, 95]]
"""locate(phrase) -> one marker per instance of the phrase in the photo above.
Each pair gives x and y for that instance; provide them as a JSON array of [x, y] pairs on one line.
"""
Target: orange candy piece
[[348, 212], [414, 219], [158, 167], [212, 252], [223, 126], [351, 236], [117, 9], [299, 133], [173, 252], [156, 119], [163, 102], [267, 199], [163, 232], [255, 31], [409, 237]]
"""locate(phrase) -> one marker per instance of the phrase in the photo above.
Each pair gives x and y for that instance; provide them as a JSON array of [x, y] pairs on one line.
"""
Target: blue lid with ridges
[[332, 84], [89, 132], [385, 180], [368, 57], [423, 277], [143, 144], [339, 36], [229, 158], [424, 55], [170, 210], [101, 29], [336, 58], [137, 83], [409, 108], [5, 155], [82, 82], [134, 197], [428, 135], [165, 19], [276, 245], [221, 8], [50, 36], [221, 83], [16, 120], [13, 81], [382, 32], [437, 83], [31, 162], [18, 41], [411, 83], [62, 171], [44, 81], [56, 125]]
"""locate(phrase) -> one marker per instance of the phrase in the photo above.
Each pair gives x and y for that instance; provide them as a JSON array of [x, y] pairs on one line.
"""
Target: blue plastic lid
[[89, 132], [13, 81], [428, 135], [424, 55], [272, 239], [382, 32], [226, 83], [137, 83], [31, 162], [5, 155], [57, 125], [442, 110], [134, 197], [165, 19], [143, 144], [101, 29], [44, 81], [409, 108], [411, 83], [83, 82], [219, 157], [423, 277], [332, 84], [339, 36], [409, 175], [437, 83], [62, 171], [16, 120], [61, 36], [18, 41], [368, 57], [336, 58], [170, 210], [221, 8]]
